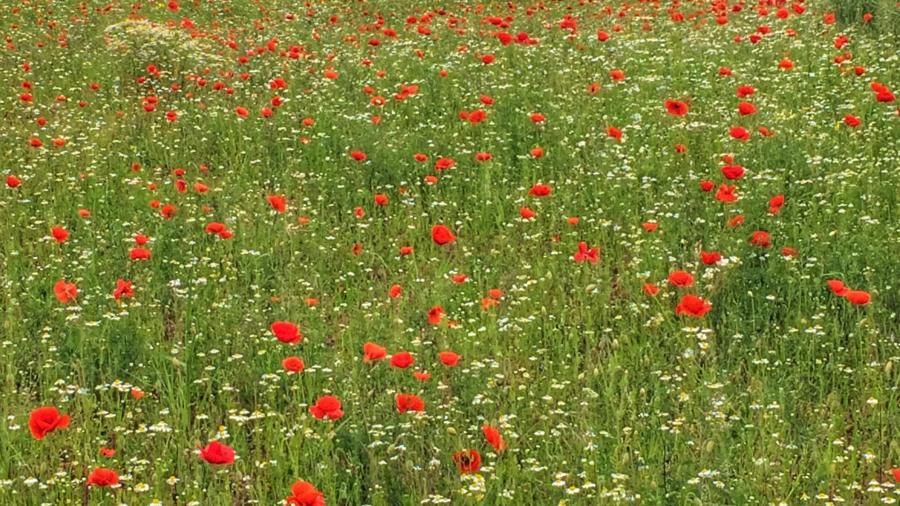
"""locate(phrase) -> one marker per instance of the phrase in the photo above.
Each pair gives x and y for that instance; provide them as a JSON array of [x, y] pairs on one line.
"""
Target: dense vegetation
[[405, 252]]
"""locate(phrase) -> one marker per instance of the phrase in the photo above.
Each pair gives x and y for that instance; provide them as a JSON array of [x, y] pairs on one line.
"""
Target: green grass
[[885, 15], [784, 393]]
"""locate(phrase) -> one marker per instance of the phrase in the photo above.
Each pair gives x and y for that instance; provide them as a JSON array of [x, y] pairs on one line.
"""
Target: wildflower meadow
[[415, 252]]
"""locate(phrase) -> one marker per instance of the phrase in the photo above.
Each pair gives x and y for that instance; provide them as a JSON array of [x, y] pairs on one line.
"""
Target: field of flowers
[[403, 252]]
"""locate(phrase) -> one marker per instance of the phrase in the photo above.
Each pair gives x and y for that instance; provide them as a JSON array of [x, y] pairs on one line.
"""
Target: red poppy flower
[[286, 332], [473, 117], [733, 172], [745, 91], [139, 254], [293, 364], [304, 493], [103, 477], [13, 181], [327, 407], [681, 278], [168, 211], [59, 234], [676, 107], [540, 190], [45, 420], [443, 164], [726, 193], [459, 278], [359, 156], [65, 292], [402, 360], [586, 253], [468, 461], [615, 133], [214, 227], [739, 133], [278, 202], [123, 289], [692, 305], [746, 109], [787, 251], [761, 238], [217, 453], [650, 289], [435, 315], [885, 95], [449, 358], [488, 303], [710, 257], [857, 297], [775, 204], [409, 402], [372, 352], [493, 437], [442, 235], [838, 287]]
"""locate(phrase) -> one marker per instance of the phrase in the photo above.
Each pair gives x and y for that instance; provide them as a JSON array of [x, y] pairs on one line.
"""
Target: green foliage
[[885, 16], [783, 393]]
